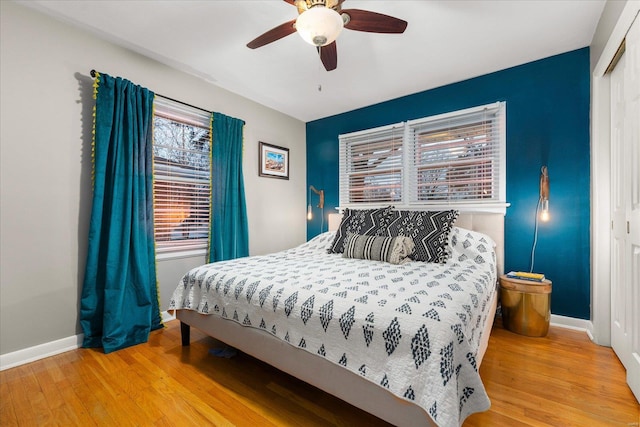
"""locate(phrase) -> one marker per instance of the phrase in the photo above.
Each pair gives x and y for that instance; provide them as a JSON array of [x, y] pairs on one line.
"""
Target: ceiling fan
[[319, 23]]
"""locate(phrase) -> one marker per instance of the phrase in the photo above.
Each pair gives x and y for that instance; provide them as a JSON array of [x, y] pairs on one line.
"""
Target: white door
[[625, 205]]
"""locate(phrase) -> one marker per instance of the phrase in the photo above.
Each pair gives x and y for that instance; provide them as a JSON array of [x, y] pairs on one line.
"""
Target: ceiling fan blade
[[274, 34], [373, 22], [291, 2], [329, 56]]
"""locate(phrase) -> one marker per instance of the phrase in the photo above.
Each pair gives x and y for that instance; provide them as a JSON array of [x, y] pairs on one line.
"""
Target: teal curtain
[[119, 304], [229, 236]]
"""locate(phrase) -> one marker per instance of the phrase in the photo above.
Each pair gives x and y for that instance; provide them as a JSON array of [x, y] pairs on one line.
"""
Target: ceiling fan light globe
[[319, 26]]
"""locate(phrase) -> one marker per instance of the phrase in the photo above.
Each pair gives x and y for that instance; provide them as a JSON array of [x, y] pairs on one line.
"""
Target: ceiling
[[446, 41]]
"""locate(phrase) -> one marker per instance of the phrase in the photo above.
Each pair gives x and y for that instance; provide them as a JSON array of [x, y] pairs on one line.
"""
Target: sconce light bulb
[[309, 213], [544, 215]]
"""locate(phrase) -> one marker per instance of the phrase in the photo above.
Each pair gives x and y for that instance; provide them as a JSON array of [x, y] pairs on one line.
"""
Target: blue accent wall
[[547, 124]]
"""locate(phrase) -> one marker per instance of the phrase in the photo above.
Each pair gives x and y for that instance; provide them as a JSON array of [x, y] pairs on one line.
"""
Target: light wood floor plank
[[75, 410], [559, 380], [6, 405]]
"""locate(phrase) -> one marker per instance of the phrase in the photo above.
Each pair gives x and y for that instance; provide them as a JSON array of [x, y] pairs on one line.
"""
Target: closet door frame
[[600, 332]]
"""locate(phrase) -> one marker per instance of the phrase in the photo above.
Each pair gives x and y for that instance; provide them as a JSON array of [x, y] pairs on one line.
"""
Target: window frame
[[496, 112]]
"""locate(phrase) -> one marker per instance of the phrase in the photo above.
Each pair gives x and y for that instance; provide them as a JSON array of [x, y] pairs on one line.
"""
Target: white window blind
[[456, 158], [371, 166], [182, 177]]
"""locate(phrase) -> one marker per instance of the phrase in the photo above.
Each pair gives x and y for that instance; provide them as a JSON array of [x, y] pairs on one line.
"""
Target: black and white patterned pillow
[[370, 222], [394, 250], [429, 231]]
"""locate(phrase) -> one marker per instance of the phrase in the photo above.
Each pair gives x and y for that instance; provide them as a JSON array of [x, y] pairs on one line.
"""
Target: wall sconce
[[542, 208], [544, 194], [320, 193]]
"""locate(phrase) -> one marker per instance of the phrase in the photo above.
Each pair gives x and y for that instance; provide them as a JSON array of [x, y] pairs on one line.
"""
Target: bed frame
[[326, 375]]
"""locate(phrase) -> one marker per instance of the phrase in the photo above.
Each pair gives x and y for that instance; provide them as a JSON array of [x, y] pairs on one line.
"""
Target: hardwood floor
[[560, 380]]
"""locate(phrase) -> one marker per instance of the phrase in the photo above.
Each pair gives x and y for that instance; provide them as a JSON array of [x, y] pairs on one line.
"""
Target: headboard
[[491, 224]]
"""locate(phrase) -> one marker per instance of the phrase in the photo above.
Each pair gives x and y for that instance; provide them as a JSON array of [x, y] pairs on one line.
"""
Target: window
[[182, 177], [371, 166], [451, 159]]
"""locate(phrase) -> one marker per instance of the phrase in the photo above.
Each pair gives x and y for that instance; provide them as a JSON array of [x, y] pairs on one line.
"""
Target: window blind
[[182, 177], [371, 166], [456, 158]]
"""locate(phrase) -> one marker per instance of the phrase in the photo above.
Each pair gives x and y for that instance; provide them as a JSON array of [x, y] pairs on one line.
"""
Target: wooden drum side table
[[526, 306]]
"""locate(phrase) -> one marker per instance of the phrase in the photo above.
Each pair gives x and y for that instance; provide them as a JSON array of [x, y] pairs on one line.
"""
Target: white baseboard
[[37, 352], [167, 317], [573, 323]]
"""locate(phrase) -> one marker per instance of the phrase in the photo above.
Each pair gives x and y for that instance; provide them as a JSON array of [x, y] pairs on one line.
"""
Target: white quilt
[[413, 329]]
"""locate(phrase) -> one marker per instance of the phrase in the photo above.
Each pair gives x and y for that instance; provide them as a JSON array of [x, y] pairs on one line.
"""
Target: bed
[[403, 342]]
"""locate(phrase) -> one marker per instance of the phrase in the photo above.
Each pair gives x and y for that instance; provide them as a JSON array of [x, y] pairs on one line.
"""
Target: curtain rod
[[93, 74]]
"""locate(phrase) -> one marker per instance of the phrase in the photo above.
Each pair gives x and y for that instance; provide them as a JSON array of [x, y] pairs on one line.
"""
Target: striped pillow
[[394, 250], [372, 222]]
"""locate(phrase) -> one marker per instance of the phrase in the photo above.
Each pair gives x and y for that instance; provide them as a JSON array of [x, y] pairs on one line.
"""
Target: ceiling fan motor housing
[[308, 4]]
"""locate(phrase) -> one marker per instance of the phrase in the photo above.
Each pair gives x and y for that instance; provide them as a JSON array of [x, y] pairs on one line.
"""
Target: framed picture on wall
[[274, 161]]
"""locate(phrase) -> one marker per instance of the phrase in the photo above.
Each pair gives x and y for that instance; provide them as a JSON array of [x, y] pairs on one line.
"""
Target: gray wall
[[45, 169]]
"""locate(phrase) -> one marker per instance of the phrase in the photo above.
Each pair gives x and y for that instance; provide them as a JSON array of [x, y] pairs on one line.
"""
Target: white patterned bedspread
[[413, 329]]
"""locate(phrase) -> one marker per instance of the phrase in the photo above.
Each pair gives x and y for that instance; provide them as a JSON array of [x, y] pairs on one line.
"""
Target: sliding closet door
[[625, 205]]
